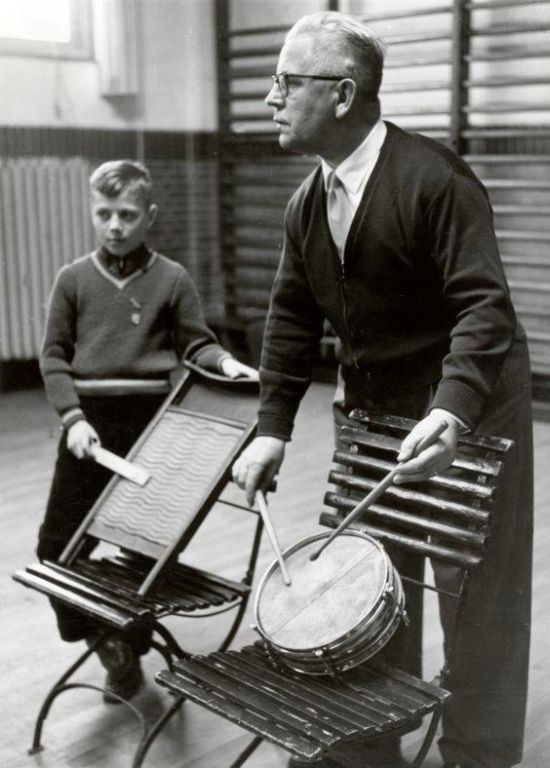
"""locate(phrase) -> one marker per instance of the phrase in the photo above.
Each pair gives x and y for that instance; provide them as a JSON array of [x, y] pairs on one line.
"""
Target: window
[[50, 28]]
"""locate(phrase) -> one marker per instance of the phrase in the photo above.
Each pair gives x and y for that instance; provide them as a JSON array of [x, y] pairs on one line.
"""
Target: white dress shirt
[[355, 171]]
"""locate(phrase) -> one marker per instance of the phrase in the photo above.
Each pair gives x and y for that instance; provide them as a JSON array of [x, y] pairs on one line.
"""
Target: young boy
[[120, 320]]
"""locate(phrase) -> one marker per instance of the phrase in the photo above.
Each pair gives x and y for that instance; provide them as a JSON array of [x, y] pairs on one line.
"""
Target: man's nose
[[115, 223], [274, 97]]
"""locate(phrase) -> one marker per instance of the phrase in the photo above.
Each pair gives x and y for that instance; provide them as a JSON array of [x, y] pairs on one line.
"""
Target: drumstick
[[270, 528], [379, 489]]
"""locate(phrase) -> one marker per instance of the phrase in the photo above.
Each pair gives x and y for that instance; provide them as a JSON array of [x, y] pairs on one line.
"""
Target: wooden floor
[[82, 732]]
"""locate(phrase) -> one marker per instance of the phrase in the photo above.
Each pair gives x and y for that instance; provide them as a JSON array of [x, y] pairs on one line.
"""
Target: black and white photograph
[[275, 383]]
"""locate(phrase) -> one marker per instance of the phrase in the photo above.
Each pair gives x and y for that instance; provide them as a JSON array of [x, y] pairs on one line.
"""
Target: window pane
[[48, 20]]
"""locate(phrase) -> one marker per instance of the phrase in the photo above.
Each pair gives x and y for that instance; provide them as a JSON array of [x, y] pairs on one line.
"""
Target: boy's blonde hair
[[115, 176]]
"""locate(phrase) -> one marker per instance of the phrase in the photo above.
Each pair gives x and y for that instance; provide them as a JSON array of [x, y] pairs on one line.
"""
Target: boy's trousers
[[76, 485]]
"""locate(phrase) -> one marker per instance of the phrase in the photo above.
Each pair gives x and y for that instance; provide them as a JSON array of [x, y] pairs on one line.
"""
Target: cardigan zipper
[[342, 282]]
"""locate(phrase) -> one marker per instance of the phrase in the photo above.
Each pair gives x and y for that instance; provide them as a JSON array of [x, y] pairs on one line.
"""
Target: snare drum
[[341, 608]]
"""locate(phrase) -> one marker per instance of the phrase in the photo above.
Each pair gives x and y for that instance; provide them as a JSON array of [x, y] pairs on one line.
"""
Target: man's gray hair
[[349, 40]]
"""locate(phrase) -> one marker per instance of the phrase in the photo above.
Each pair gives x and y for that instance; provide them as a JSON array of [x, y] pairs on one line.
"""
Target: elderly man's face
[[305, 116]]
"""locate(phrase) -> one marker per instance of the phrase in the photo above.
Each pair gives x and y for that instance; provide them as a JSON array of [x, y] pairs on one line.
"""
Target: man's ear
[[346, 91], [152, 214]]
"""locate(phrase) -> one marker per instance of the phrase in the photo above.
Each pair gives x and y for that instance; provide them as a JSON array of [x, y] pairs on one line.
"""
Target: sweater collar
[[351, 171]]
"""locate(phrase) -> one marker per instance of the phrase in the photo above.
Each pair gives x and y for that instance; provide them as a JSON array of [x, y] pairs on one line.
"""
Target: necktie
[[339, 212]]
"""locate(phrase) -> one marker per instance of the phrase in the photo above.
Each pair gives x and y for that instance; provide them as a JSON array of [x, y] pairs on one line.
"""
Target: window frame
[[80, 46]]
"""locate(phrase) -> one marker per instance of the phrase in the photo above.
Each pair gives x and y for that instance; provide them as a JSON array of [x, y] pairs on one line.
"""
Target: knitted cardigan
[[420, 298]]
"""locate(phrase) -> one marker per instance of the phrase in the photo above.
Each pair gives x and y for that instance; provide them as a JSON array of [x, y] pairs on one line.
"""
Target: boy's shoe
[[295, 762], [124, 674]]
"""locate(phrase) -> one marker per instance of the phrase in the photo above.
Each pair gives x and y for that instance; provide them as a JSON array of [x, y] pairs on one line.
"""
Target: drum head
[[328, 596]]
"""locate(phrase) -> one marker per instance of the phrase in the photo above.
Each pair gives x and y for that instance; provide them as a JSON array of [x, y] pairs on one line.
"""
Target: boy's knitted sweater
[[137, 329]]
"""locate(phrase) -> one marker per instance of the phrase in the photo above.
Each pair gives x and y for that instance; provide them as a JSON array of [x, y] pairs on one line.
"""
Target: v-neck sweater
[[140, 327], [420, 297]]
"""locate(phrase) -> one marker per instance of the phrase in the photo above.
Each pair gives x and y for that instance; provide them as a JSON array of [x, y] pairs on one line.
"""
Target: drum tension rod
[[327, 663], [273, 660]]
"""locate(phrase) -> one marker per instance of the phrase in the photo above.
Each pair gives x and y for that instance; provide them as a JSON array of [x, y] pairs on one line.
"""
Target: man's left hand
[[233, 369], [433, 459]]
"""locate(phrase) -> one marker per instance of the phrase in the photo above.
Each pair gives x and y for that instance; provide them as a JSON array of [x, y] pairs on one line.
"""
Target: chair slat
[[182, 584], [412, 497], [405, 701], [84, 587], [195, 690], [383, 514], [94, 586], [351, 435], [401, 425], [317, 715], [442, 481], [399, 700], [115, 618], [262, 700], [428, 549], [412, 682], [341, 697], [109, 571]]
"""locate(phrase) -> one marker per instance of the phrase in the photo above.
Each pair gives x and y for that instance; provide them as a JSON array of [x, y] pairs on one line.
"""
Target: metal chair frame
[[303, 713], [127, 589]]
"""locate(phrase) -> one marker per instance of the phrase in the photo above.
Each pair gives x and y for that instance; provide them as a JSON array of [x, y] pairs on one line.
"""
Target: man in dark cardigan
[[391, 239]]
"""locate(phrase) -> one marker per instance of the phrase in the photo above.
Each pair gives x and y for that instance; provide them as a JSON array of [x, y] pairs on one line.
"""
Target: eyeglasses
[[281, 79]]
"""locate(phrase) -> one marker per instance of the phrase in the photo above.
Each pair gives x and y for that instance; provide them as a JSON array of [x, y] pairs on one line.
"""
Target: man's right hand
[[258, 464], [81, 439]]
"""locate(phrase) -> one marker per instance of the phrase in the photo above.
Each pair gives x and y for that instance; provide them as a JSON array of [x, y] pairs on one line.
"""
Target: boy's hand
[[81, 438], [258, 464], [233, 369]]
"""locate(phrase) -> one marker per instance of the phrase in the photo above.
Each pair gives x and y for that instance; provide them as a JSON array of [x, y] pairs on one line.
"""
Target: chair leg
[[247, 580], [152, 733], [62, 685], [428, 738], [172, 646], [235, 625], [245, 754], [54, 692]]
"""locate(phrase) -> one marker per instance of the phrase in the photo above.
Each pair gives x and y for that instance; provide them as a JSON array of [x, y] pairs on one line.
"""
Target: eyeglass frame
[[285, 90]]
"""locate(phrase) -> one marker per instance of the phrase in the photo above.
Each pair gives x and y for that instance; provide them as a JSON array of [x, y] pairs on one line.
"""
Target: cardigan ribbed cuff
[[273, 425], [459, 399]]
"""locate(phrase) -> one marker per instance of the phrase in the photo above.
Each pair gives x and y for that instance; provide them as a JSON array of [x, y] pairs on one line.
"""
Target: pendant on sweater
[[136, 316]]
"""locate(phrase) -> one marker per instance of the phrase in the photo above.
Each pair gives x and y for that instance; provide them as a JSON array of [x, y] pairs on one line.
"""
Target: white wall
[[176, 41]]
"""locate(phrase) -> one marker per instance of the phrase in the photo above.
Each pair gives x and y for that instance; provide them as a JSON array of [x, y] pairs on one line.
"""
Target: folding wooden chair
[[188, 449], [446, 518]]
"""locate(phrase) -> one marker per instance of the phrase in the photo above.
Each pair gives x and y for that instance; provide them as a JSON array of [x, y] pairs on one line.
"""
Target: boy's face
[[121, 222]]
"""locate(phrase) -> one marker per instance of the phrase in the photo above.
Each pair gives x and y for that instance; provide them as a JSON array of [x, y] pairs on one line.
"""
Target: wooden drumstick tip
[[272, 534]]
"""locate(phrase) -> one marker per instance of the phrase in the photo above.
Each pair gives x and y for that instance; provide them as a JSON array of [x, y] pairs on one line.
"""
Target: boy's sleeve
[[195, 341], [58, 350]]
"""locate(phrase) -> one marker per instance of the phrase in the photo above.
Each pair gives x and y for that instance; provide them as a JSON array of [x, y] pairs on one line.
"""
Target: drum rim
[[350, 657], [298, 545]]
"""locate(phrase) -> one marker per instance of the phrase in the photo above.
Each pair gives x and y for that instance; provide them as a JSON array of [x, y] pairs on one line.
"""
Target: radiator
[[44, 224]]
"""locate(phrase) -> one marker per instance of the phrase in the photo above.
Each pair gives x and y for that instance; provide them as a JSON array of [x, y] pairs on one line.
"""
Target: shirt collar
[[351, 171], [126, 265]]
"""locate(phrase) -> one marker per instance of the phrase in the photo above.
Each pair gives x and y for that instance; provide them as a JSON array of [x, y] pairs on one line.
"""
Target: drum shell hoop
[[354, 646]]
